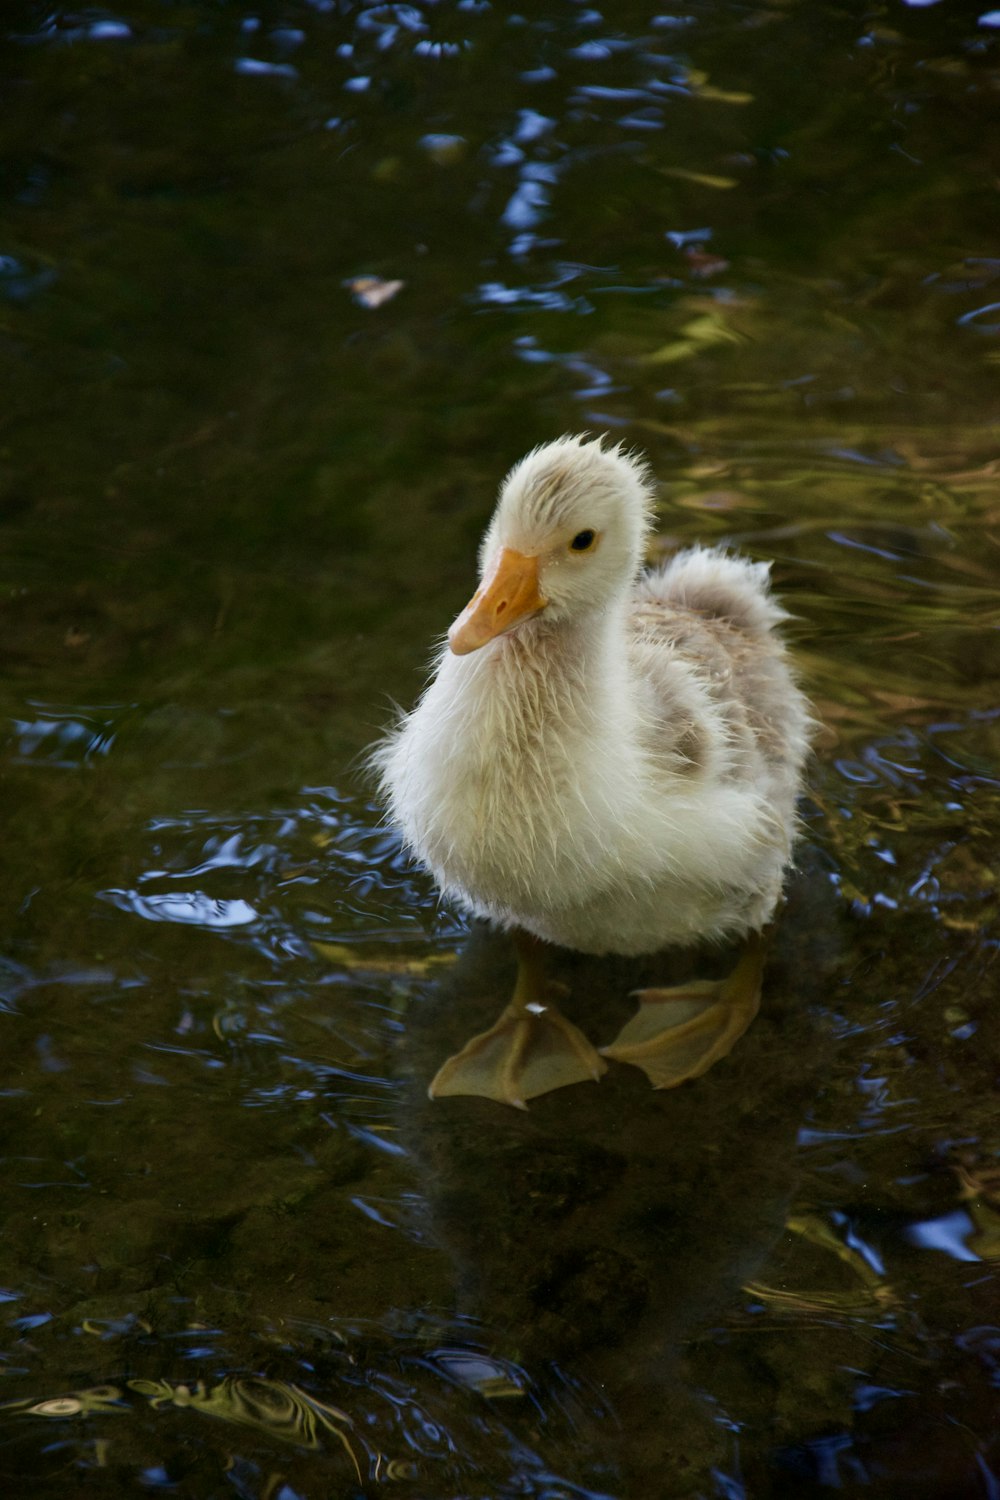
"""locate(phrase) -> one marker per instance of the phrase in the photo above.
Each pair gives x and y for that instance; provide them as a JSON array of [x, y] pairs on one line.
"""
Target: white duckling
[[607, 758]]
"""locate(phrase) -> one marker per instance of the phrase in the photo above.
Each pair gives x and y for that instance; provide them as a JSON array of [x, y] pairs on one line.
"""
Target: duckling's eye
[[583, 541]]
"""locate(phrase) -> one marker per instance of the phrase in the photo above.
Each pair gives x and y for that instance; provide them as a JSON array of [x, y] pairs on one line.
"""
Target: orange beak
[[507, 595]]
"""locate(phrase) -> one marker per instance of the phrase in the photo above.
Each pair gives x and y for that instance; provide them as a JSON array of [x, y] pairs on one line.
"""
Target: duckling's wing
[[705, 640]]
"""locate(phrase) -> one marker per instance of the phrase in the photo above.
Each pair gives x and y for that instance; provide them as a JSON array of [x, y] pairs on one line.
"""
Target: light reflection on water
[[388, 1428], [325, 872], [61, 739]]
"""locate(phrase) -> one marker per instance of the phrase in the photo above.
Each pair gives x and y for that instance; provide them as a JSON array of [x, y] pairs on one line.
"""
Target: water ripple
[[320, 873]]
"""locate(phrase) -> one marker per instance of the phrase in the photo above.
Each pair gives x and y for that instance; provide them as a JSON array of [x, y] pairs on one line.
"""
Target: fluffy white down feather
[[619, 772]]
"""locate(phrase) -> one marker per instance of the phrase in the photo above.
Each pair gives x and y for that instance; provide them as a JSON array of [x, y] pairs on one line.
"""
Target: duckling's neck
[[552, 689], [580, 661]]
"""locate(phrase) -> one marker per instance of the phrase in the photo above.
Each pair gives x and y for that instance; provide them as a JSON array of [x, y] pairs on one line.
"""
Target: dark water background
[[241, 1255]]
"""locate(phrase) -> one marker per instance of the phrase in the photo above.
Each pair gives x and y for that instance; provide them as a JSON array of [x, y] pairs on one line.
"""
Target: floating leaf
[[700, 333], [372, 291], [703, 264], [408, 968], [705, 90], [723, 96], [703, 179]]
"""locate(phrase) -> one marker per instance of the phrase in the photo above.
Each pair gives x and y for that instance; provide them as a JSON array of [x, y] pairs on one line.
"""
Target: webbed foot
[[531, 1050], [679, 1033]]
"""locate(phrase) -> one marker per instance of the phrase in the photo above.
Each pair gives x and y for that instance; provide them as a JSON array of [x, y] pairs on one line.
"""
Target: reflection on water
[[59, 741], [324, 879], [397, 1400], [284, 291]]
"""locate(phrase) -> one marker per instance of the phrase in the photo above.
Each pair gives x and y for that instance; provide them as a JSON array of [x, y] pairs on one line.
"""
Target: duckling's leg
[[679, 1033], [531, 1050]]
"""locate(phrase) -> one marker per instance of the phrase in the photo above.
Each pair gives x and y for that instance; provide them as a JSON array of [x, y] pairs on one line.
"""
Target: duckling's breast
[[511, 786]]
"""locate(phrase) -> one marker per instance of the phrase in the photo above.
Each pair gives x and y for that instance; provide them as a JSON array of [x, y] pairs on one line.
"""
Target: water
[[285, 291]]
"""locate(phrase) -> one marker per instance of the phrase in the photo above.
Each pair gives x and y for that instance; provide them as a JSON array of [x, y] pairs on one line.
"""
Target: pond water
[[285, 289]]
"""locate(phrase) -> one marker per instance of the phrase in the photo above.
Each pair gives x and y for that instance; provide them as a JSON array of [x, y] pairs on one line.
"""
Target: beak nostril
[[507, 594]]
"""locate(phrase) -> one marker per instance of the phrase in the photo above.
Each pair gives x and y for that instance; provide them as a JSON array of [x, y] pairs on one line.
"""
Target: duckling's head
[[566, 539]]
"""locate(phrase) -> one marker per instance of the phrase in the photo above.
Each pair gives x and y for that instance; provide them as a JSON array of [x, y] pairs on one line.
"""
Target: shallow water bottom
[[266, 1263]]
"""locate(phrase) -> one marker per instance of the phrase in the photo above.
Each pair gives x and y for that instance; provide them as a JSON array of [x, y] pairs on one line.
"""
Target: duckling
[[606, 758]]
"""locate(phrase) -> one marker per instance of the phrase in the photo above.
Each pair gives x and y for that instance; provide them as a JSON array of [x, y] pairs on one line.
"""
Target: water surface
[[285, 290]]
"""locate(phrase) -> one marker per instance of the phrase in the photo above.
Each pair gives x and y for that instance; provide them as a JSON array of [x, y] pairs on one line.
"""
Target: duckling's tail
[[714, 582]]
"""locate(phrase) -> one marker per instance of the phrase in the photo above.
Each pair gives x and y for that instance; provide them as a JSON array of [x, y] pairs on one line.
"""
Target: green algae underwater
[[284, 291]]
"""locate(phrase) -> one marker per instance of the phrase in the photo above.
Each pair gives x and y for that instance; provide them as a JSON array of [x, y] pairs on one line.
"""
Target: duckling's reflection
[[600, 1229]]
